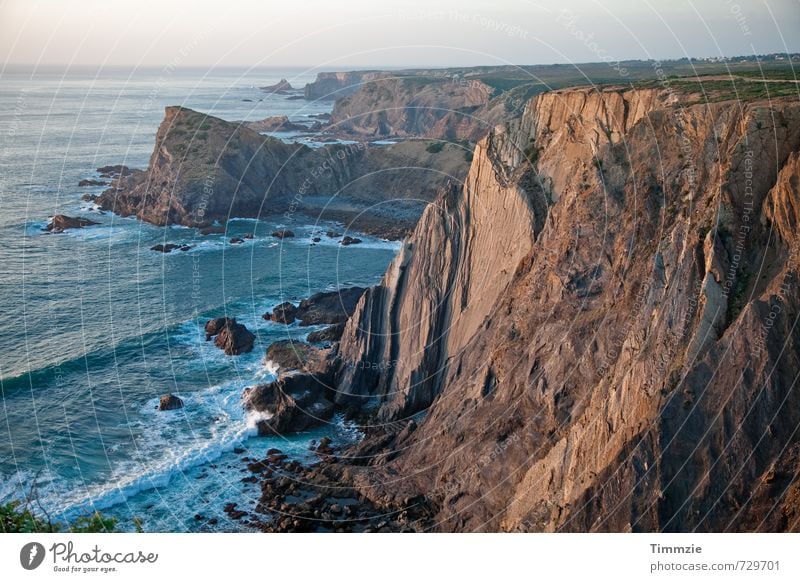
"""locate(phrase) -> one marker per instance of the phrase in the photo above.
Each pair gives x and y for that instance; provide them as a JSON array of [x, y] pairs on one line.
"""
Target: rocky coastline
[[521, 450]]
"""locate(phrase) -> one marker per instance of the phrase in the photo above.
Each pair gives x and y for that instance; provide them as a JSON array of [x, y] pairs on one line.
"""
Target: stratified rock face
[[601, 324]]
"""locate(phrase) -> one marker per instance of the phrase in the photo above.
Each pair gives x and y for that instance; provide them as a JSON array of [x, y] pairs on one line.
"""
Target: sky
[[372, 33]]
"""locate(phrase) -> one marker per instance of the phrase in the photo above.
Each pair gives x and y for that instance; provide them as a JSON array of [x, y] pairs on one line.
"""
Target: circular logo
[[31, 555]]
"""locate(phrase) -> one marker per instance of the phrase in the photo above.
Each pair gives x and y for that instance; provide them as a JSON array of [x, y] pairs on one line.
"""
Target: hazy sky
[[359, 33]]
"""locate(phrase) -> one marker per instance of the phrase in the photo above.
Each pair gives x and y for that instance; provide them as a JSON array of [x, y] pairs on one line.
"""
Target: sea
[[95, 326]]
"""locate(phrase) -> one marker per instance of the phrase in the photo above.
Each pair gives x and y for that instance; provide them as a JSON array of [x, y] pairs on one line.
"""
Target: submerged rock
[[205, 231], [294, 402], [165, 248]]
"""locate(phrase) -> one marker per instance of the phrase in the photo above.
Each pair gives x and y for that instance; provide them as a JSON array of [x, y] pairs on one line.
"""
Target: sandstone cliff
[[204, 169], [599, 328]]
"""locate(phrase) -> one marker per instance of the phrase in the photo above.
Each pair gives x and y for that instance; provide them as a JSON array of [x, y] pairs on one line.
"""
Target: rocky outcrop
[[62, 222], [204, 169], [281, 87], [295, 355], [292, 403], [286, 313], [230, 336], [331, 86], [599, 326]]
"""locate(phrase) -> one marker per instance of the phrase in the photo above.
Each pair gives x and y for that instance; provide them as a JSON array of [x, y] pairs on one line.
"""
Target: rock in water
[[61, 222], [231, 337], [214, 326], [294, 402], [89, 182], [329, 307], [170, 402], [281, 87], [283, 313], [331, 333], [166, 248], [295, 355], [349, 240], [283, 234]]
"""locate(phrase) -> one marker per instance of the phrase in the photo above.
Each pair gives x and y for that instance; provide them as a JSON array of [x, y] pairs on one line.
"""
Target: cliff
[[331, 86], [436, 106], [204, 169], [597, 332]]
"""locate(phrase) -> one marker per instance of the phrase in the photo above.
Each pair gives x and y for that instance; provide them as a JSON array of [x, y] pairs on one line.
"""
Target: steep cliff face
[[601, 325], [330, 86], [433, 106], [204, 169]]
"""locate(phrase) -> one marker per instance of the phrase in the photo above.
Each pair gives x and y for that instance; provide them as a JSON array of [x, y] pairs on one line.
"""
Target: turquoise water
[[95, 326]]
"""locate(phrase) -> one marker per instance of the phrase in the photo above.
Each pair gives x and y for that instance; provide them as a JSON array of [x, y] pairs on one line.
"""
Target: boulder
[[236, 240], [349, 240], [231, 337], [61, 222], [283, 233], [332, 333], [170, 402], [235, 339]]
